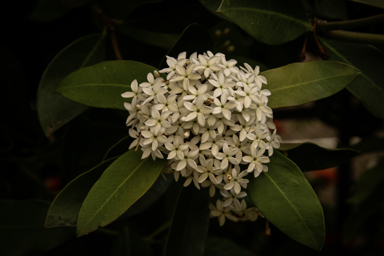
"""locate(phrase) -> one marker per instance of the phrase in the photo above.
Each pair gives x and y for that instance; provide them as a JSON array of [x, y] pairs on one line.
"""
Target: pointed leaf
[[189, 227], [65, 208], [369, 86], [22, 229], [194, 38], [299, 83], [273, 22], [53, 109], [287, 200], [119, 187], [101, 85], [309, 156]]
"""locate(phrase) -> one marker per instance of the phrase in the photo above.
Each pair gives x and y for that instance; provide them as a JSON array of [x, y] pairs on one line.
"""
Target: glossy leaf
[[220, 246], [369, 86], [287, 200], [309, 156], [189, 226], [194, 38], [299, 83], [119, 187], [368, 183], [65, 208], [375, 3], [22, 229], [101, 85], [53, 109], [151, 196], [273, 22]]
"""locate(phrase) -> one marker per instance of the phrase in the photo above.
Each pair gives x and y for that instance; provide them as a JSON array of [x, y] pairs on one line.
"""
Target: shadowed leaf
[[287, 200], [53, 109], [270, 22]]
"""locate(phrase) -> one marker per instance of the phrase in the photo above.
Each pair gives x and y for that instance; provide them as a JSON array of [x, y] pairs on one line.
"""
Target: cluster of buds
[[211, 120]]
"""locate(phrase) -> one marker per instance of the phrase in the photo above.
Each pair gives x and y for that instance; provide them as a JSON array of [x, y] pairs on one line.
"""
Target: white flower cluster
[[209, 117]]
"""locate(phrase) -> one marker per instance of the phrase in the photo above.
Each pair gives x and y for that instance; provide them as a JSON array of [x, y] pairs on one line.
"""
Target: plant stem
[[350, 24], [302, 55], [109, 24], [356, 37], [324, 55]]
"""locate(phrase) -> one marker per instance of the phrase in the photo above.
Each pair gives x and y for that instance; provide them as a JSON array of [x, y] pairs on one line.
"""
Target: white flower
[[212, 120], [198, 110], [185, 75], [208, 66], [236, 181], [221, 212], [153, 137], [256, 161]]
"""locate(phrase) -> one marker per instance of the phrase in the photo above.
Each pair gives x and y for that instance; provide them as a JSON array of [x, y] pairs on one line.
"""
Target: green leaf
[[119, 187], [53, 109], [369, 86], [309, 156], [101, 85], [221, 246], [300, 83], [22, 229], [375, 3], [48, 10], [194, 38], [189, 226], [65, 208], [287, 200], [273, 22], [368, 183], [151, 196]]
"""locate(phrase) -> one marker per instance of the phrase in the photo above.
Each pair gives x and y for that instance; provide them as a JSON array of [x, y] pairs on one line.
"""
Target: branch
[[350, 24], [109, 24], [356, 37]]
